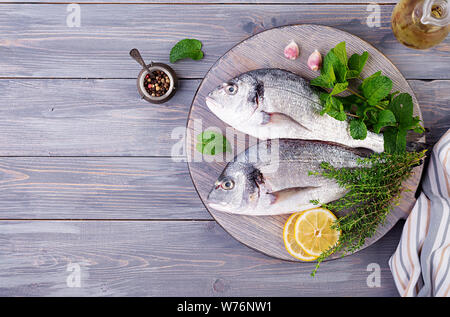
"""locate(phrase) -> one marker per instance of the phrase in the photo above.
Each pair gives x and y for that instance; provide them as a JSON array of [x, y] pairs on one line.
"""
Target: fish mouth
[[212, 103], [218, 206]]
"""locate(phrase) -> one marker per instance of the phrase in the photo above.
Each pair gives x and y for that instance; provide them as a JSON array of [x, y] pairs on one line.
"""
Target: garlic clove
[[315, 60], [291, 51]]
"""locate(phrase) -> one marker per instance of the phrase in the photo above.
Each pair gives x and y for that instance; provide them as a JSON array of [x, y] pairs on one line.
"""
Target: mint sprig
[[371, 106], [376, 88], [356, 64], [187, 48], [212, 143]]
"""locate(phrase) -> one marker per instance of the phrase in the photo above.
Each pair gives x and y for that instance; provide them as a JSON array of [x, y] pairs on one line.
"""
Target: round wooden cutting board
[[265, 50]]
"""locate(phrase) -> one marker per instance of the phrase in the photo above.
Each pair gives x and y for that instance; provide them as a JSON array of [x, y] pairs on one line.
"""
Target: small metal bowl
[[172, 88]]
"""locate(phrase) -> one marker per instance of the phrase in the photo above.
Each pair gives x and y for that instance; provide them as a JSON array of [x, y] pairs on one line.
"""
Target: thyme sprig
[[374, 188]]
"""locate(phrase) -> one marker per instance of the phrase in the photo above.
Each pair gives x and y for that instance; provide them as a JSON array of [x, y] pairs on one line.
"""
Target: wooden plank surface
[[45, 117], [435, 104], [88, 117], [36, 41], [156, 248], [169, 259], [206, 2], [97, 188]]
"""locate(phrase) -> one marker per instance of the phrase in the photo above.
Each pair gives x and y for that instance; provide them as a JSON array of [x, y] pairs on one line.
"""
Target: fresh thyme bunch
[[374, 188]]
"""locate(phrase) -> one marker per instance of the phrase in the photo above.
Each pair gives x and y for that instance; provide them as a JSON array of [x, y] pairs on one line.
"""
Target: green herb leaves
[[401, 108], [358, 129], [376, 88], [187, 48], [356, 64], [385, 118], [338, 88], [372, 106], [340, 52], [212, 143], [334, 107], [373, 189]]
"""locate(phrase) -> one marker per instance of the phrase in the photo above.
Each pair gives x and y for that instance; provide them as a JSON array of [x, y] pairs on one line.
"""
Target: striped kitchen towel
[[420, 265]]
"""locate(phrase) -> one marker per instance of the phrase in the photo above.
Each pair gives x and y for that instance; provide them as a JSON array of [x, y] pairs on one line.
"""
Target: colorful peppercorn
[[157, 86]]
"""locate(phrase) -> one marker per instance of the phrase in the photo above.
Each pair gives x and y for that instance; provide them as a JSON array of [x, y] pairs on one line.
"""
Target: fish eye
[[228, 184], [231, 89]]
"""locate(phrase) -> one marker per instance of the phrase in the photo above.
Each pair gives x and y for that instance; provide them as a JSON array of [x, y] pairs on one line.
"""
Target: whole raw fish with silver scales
[[272, 177], [275, 103]]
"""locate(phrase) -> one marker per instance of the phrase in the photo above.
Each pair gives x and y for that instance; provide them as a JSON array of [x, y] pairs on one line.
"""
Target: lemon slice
[[312, 231], [289, 240]]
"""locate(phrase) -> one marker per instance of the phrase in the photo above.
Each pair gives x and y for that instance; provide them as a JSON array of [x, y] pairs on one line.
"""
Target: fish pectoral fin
[[288, 193], [280, 119]]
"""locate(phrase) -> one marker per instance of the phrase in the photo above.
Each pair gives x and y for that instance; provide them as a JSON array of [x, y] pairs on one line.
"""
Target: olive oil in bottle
[[421, 24]]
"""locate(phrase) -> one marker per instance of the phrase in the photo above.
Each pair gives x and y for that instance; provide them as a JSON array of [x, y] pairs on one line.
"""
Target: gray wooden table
[[91, 200]]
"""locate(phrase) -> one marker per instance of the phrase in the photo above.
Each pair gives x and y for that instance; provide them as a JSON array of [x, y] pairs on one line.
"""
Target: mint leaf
[[327, 106], [352, 74], [350, 101], [356, 64], [341, 116], [340, 52], [368, 79], [391, 96], [322, 81], [402, 107], [338, 88], [326, 78], [337, 109], [368, 113], [394, 140], [332, 69], [331, 61], [212, 143], [187, 48], [395, 137], [333, 107], [358, 129], [385, 118], [323, 97], [384, 103], [376, 88]]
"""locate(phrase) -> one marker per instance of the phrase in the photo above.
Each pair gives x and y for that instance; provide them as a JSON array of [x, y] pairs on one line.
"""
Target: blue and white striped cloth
[[420, 265]]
